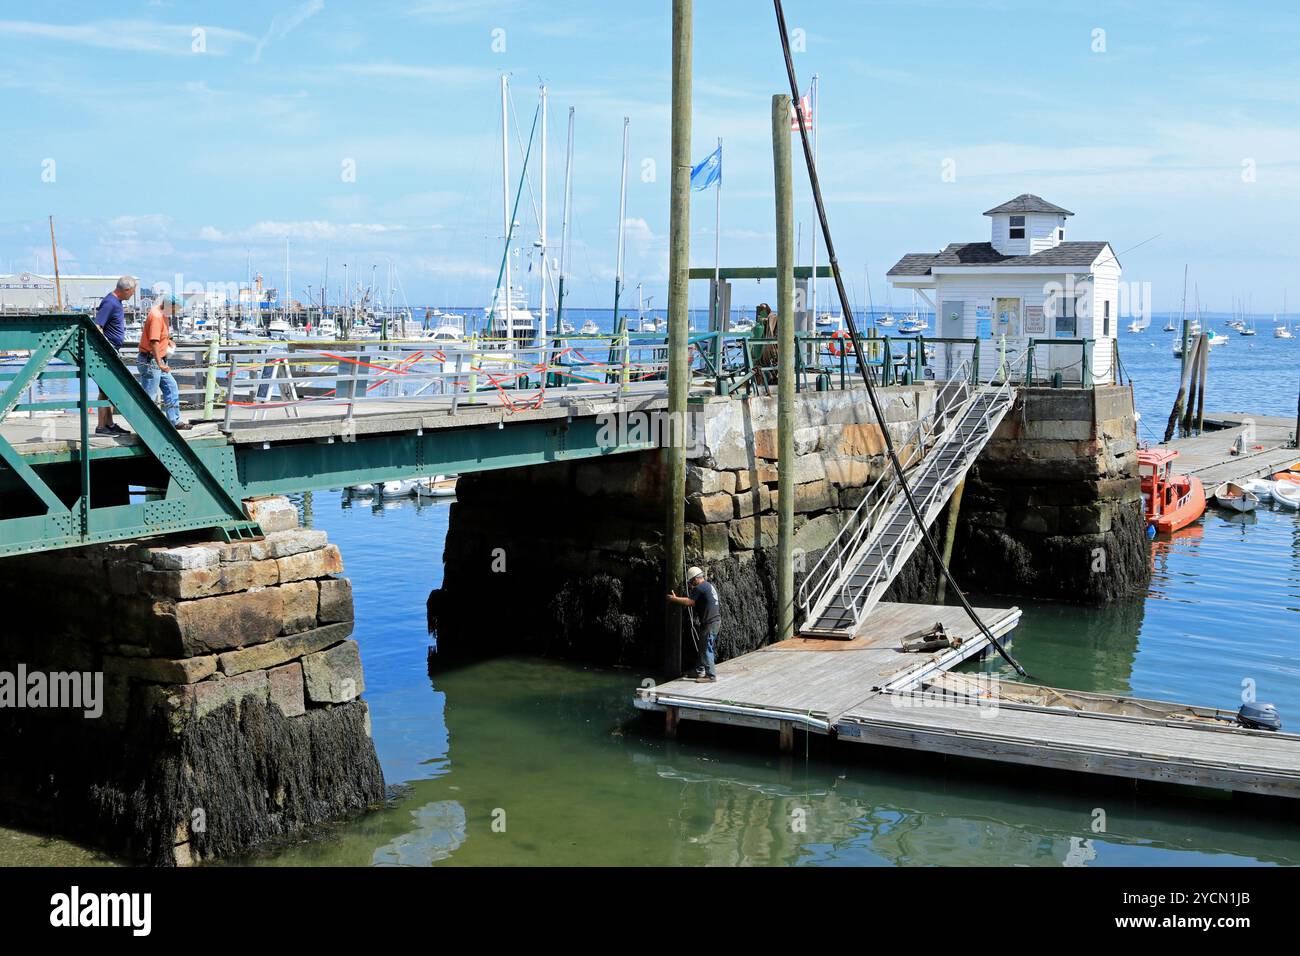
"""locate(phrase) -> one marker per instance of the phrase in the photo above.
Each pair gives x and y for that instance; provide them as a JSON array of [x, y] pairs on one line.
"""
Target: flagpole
[[717, 250]]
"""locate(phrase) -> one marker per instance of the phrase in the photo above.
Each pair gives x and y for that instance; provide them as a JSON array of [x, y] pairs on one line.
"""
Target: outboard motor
[[1259, 717]]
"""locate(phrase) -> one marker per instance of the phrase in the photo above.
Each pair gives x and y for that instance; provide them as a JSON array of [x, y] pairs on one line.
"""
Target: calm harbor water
[[545, 746]]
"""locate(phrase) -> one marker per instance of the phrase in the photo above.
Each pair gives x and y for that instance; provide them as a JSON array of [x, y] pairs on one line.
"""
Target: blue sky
[[168, 160]]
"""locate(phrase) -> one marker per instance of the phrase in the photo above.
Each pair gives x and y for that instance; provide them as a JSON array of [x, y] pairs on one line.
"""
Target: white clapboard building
[[1027, 281]]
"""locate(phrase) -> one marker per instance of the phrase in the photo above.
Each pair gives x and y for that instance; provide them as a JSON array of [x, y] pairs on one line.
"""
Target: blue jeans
[[708, 649], [152, 378]]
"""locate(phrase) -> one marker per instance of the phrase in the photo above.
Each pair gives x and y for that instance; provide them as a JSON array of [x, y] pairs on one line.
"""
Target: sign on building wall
[[1035, 321]]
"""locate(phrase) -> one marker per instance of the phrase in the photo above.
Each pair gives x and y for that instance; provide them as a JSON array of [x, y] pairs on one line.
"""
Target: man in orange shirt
[[155, 346]]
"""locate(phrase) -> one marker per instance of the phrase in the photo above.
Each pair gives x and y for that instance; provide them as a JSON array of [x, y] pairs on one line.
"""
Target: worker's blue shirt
[[708, 613], [111, 317]]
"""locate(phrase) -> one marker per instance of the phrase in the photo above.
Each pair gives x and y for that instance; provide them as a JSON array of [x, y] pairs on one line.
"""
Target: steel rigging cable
[[857, 347]]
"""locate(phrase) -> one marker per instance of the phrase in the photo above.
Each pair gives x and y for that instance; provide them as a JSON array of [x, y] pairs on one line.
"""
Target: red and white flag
[[805, 105]]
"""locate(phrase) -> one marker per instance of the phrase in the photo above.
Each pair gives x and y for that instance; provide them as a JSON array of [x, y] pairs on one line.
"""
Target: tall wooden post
[[1176, 413], [785, 365], [1205, 368], [679, 236], [949, 537]]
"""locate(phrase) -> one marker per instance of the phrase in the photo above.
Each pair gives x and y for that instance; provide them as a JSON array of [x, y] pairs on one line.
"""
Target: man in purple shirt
[[111, 319]]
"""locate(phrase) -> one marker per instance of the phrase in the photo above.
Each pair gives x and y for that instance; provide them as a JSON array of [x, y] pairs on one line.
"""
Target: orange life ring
[[834, 346]]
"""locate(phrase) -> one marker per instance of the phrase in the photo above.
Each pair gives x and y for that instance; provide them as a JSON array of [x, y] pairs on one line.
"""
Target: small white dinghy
[[1287, 494], [1261, 488], [362, 490], [439, 486], [397, 489], [1232, 495]]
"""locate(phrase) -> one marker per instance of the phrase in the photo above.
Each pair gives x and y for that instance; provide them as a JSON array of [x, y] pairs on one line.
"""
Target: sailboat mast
[[1184, 314], [564, 225], [288, 275], [622, 214], [541, 321], [505, 203]]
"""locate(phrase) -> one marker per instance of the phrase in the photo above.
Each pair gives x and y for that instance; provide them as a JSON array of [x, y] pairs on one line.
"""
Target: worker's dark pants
[[708, 647]]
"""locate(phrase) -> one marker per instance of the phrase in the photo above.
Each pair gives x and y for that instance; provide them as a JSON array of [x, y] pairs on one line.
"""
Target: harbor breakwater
[[565, 559], [217, 692]]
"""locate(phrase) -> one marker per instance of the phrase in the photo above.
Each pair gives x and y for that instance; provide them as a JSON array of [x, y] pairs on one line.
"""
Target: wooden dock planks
[[866, 691], [1208, 456], [1253, 762], [825, 678]]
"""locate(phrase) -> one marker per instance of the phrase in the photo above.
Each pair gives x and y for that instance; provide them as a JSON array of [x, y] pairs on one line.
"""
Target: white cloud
[[283, 24], [138, 36], [314, 230]]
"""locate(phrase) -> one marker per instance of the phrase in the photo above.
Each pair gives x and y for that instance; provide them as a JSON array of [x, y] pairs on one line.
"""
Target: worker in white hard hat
[[704, 605]]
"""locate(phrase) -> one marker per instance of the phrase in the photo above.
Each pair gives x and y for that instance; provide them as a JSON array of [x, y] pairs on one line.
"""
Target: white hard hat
[[693, 573]]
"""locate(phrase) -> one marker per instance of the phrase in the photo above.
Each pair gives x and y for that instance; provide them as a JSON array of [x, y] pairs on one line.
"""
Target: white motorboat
[[1282, 332], [397, 489], [1217, 338], [590, 328], [1261, 488], [885, 321], [439, 486], [1234, 497]]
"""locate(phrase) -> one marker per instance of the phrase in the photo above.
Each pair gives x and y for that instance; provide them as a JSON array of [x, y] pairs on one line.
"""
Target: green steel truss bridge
[[280, 418]]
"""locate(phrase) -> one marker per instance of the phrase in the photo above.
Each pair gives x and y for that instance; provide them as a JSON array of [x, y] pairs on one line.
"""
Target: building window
[[1017, 227], [1066, 321], [1105, 317], [1060, 235]]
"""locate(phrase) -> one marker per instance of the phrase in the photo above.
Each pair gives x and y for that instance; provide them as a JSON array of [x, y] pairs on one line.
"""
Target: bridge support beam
[[185, 700]]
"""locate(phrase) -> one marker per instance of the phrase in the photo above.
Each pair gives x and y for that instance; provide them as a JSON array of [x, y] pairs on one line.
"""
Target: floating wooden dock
[[867, 690], [1269, 448]]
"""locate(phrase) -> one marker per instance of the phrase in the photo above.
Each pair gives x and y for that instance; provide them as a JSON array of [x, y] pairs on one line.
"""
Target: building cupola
[[1026, 225]]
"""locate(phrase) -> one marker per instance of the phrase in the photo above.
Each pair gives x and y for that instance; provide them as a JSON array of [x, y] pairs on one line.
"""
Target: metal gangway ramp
[[857, 567]]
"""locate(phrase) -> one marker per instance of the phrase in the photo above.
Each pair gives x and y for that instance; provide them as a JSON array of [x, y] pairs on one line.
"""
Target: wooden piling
[[1176, 413], [679, 236], [1193, 359], [781, 172], [950, 535], [1200, 395]]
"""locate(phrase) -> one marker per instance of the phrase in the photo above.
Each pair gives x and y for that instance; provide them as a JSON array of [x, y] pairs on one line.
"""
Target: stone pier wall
[[566, 559], [1053, 506], [231, 713]]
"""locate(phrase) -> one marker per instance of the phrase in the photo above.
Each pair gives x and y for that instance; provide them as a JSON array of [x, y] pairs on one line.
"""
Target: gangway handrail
[[1001, 394], [818, 582]]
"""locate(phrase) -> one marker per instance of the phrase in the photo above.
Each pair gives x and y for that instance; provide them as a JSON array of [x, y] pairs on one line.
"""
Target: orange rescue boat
[[1172, 501]]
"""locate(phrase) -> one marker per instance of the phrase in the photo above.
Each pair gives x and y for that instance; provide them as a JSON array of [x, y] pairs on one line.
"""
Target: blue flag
[[708, 172]]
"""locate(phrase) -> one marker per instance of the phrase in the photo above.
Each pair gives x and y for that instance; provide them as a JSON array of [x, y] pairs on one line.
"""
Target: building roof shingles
[[957, 254], [1028, 202]]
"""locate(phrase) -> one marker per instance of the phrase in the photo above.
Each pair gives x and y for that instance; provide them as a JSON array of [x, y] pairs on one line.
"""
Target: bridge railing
[[249, 379]]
